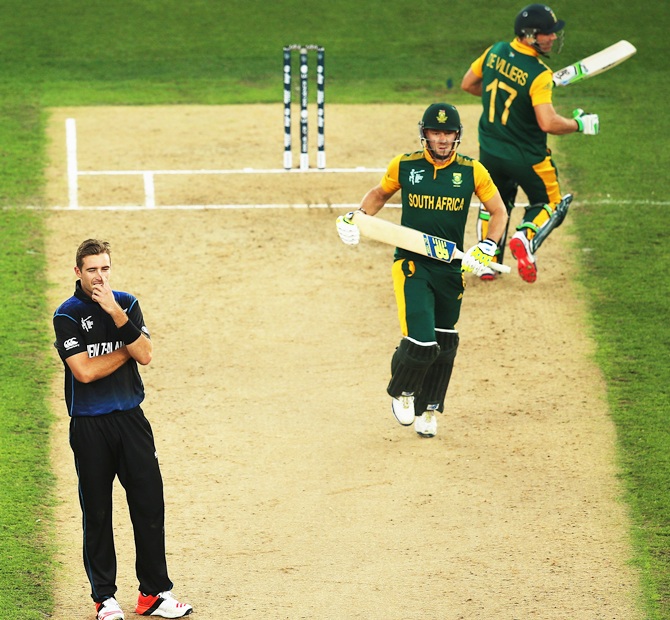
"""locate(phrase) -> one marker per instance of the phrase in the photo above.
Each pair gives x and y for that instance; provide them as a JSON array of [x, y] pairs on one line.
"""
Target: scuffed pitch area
[[291, 491]]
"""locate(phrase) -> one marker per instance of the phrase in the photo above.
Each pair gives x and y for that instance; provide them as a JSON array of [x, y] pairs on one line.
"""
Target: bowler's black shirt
[[81, 325]]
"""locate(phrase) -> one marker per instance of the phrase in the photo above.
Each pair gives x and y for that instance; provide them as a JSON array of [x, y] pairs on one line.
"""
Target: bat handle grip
[[500, 268], [349, 217]]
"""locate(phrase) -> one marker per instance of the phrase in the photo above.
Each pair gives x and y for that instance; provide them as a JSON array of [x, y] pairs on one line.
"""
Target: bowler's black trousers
[[120, 444]]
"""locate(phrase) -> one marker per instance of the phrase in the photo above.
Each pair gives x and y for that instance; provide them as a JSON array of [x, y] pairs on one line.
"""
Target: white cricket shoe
[[426, 424], [109, 610], [403, 408]]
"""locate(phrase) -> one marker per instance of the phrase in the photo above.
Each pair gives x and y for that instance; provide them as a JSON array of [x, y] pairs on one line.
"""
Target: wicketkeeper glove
[[478, 258], [588, 124], [348, 231]]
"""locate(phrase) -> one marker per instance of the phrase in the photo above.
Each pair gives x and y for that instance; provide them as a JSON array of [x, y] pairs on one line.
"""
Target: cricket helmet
[[441, 117], [537, 19]]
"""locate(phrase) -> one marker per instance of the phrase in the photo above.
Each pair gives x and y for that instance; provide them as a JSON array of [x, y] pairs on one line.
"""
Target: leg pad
[[409, 365], [437, 378]]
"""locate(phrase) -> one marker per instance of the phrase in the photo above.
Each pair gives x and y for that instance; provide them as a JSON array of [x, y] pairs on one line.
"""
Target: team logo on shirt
[[415, 176], [87, 324], [457, 179]]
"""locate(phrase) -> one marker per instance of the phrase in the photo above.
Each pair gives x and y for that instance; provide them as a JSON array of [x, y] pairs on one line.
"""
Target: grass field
[[76, 53]]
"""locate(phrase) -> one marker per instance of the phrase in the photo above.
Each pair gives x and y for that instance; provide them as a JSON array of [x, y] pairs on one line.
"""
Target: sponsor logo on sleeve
[[70, 343]]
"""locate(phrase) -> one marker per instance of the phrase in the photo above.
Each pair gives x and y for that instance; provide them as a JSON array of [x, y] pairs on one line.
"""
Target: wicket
[[320, 106]]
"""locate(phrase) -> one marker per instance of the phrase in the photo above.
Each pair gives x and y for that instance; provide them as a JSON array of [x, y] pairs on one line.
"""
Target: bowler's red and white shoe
[[163, 605], [109, 609]]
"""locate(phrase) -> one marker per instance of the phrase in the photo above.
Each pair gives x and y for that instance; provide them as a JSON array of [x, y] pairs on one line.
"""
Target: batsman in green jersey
[[515, 86], [437, 185]]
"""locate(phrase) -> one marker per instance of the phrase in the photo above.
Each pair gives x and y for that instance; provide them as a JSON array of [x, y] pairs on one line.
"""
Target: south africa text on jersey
[[438, 203], [103, 348]]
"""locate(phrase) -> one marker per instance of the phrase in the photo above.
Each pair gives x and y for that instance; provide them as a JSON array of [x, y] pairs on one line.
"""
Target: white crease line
[[605, 201]]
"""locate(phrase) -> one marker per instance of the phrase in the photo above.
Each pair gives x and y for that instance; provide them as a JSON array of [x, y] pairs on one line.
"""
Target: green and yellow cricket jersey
[[514, 81], [436, 198]]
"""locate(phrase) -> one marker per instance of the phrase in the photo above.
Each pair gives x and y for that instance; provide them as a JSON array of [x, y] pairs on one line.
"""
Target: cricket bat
[[593, 65], [412, 240]]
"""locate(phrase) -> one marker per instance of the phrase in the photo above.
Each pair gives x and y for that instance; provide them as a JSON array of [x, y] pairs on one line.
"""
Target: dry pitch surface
[[291, 491]]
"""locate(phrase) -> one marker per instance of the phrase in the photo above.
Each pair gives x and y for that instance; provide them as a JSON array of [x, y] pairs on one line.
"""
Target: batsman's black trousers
[[120, 444]]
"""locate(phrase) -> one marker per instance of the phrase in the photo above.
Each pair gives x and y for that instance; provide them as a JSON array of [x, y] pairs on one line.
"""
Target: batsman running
[[515, 86], [436, 184]]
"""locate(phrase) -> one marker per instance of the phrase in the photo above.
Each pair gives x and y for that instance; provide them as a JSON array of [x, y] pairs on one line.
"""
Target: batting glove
[[588, 124], [348, 231], [478, 258]]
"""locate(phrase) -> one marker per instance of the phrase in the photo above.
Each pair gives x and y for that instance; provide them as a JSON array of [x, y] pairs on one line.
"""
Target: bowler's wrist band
[[129, 333]]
